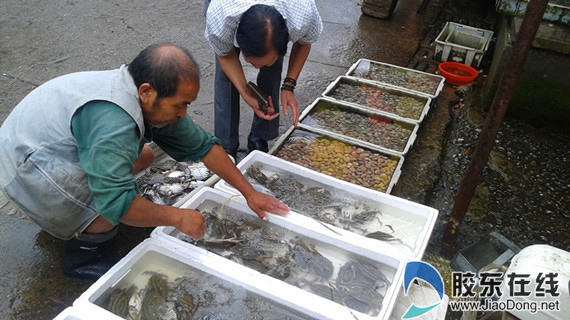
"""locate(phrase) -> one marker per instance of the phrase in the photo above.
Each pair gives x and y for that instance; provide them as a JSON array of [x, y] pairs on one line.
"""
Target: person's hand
[[254, 104], [288, 101], [259, 202], [192, 223]]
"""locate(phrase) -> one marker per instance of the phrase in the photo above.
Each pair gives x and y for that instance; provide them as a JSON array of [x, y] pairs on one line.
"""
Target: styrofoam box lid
[[363, 66], [173, 260], [357, 109], [533, 260], [318, 234], [381, 86], [408, 219]]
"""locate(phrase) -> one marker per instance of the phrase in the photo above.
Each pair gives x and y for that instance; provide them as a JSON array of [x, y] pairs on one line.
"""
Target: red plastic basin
[[457, 74]]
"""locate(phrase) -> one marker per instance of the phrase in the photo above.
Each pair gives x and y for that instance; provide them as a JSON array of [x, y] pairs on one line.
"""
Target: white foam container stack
[[390, 89], [173, 260], [463, 44], [345, 107], [365, 68], [409, 220], [352, 245]]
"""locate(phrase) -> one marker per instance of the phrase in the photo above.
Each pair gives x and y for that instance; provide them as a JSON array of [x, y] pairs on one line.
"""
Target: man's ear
[[147, 94]]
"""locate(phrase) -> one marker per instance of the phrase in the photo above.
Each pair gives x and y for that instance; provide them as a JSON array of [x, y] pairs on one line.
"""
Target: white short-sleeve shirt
[[223, 16]]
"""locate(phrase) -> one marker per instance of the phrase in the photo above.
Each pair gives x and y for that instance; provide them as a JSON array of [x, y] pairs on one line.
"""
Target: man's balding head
[[163, 66]]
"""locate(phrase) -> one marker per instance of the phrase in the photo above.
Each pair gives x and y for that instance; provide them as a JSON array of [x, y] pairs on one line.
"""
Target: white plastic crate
[[232, 289], [406, 79], [308, 137], [408, 221], [339, 249], [463, 44], [382, 98], [375, 130]]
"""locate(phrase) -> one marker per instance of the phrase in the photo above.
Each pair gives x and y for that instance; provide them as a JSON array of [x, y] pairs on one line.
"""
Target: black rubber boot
[[84, 257]]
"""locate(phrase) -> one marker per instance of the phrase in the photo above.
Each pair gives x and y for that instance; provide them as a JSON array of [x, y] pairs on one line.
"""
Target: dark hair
[[260, 29], [163, 68]]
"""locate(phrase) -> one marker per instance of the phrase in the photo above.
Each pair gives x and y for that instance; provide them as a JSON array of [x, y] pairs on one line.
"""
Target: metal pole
[[497, 111]]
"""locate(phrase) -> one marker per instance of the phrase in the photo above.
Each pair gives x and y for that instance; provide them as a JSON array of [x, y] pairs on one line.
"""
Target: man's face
[[265, 61], [162, 112]]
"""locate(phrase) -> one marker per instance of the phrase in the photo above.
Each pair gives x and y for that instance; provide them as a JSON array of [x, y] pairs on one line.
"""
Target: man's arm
[[299, 54], [218, 161], [107, 142], [144, 213]]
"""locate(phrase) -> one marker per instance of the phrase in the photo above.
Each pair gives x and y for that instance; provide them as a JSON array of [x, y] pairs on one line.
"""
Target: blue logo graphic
[[423, 271]]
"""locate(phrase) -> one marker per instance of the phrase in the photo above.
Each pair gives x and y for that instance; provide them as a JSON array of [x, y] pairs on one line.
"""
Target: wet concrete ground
[[523, 193]]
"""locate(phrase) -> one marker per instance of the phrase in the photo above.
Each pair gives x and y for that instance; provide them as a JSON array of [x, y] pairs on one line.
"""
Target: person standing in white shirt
[[261, 31]]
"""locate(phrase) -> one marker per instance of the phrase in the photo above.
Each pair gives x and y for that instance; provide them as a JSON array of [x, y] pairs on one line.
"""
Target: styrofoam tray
[[404, 78], [339, 249], [164, 257], [387, 92], [371, 121], [410, 221], [305, 131]]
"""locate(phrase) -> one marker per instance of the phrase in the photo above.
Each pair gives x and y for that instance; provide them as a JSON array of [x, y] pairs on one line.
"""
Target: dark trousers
[[227, 106]]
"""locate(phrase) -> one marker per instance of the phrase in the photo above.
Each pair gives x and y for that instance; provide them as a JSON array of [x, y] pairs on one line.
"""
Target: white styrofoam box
[[382, 98], [339, 249], [212, 271], [421, 296], [416, 81], [463, 44], [74, 313], [303, 131], [409, 221], [385, 128], [532, 261]]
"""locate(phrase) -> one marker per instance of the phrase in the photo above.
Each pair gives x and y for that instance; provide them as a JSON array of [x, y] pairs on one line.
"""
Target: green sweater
[[108, 145]]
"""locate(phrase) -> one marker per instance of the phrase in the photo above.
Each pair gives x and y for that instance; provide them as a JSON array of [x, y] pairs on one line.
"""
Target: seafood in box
[[168, 181], [158, 282], [408, 79], [387, 219], [386, 99], [377, 130], [340, 270], [359, 283], [368, 168]]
